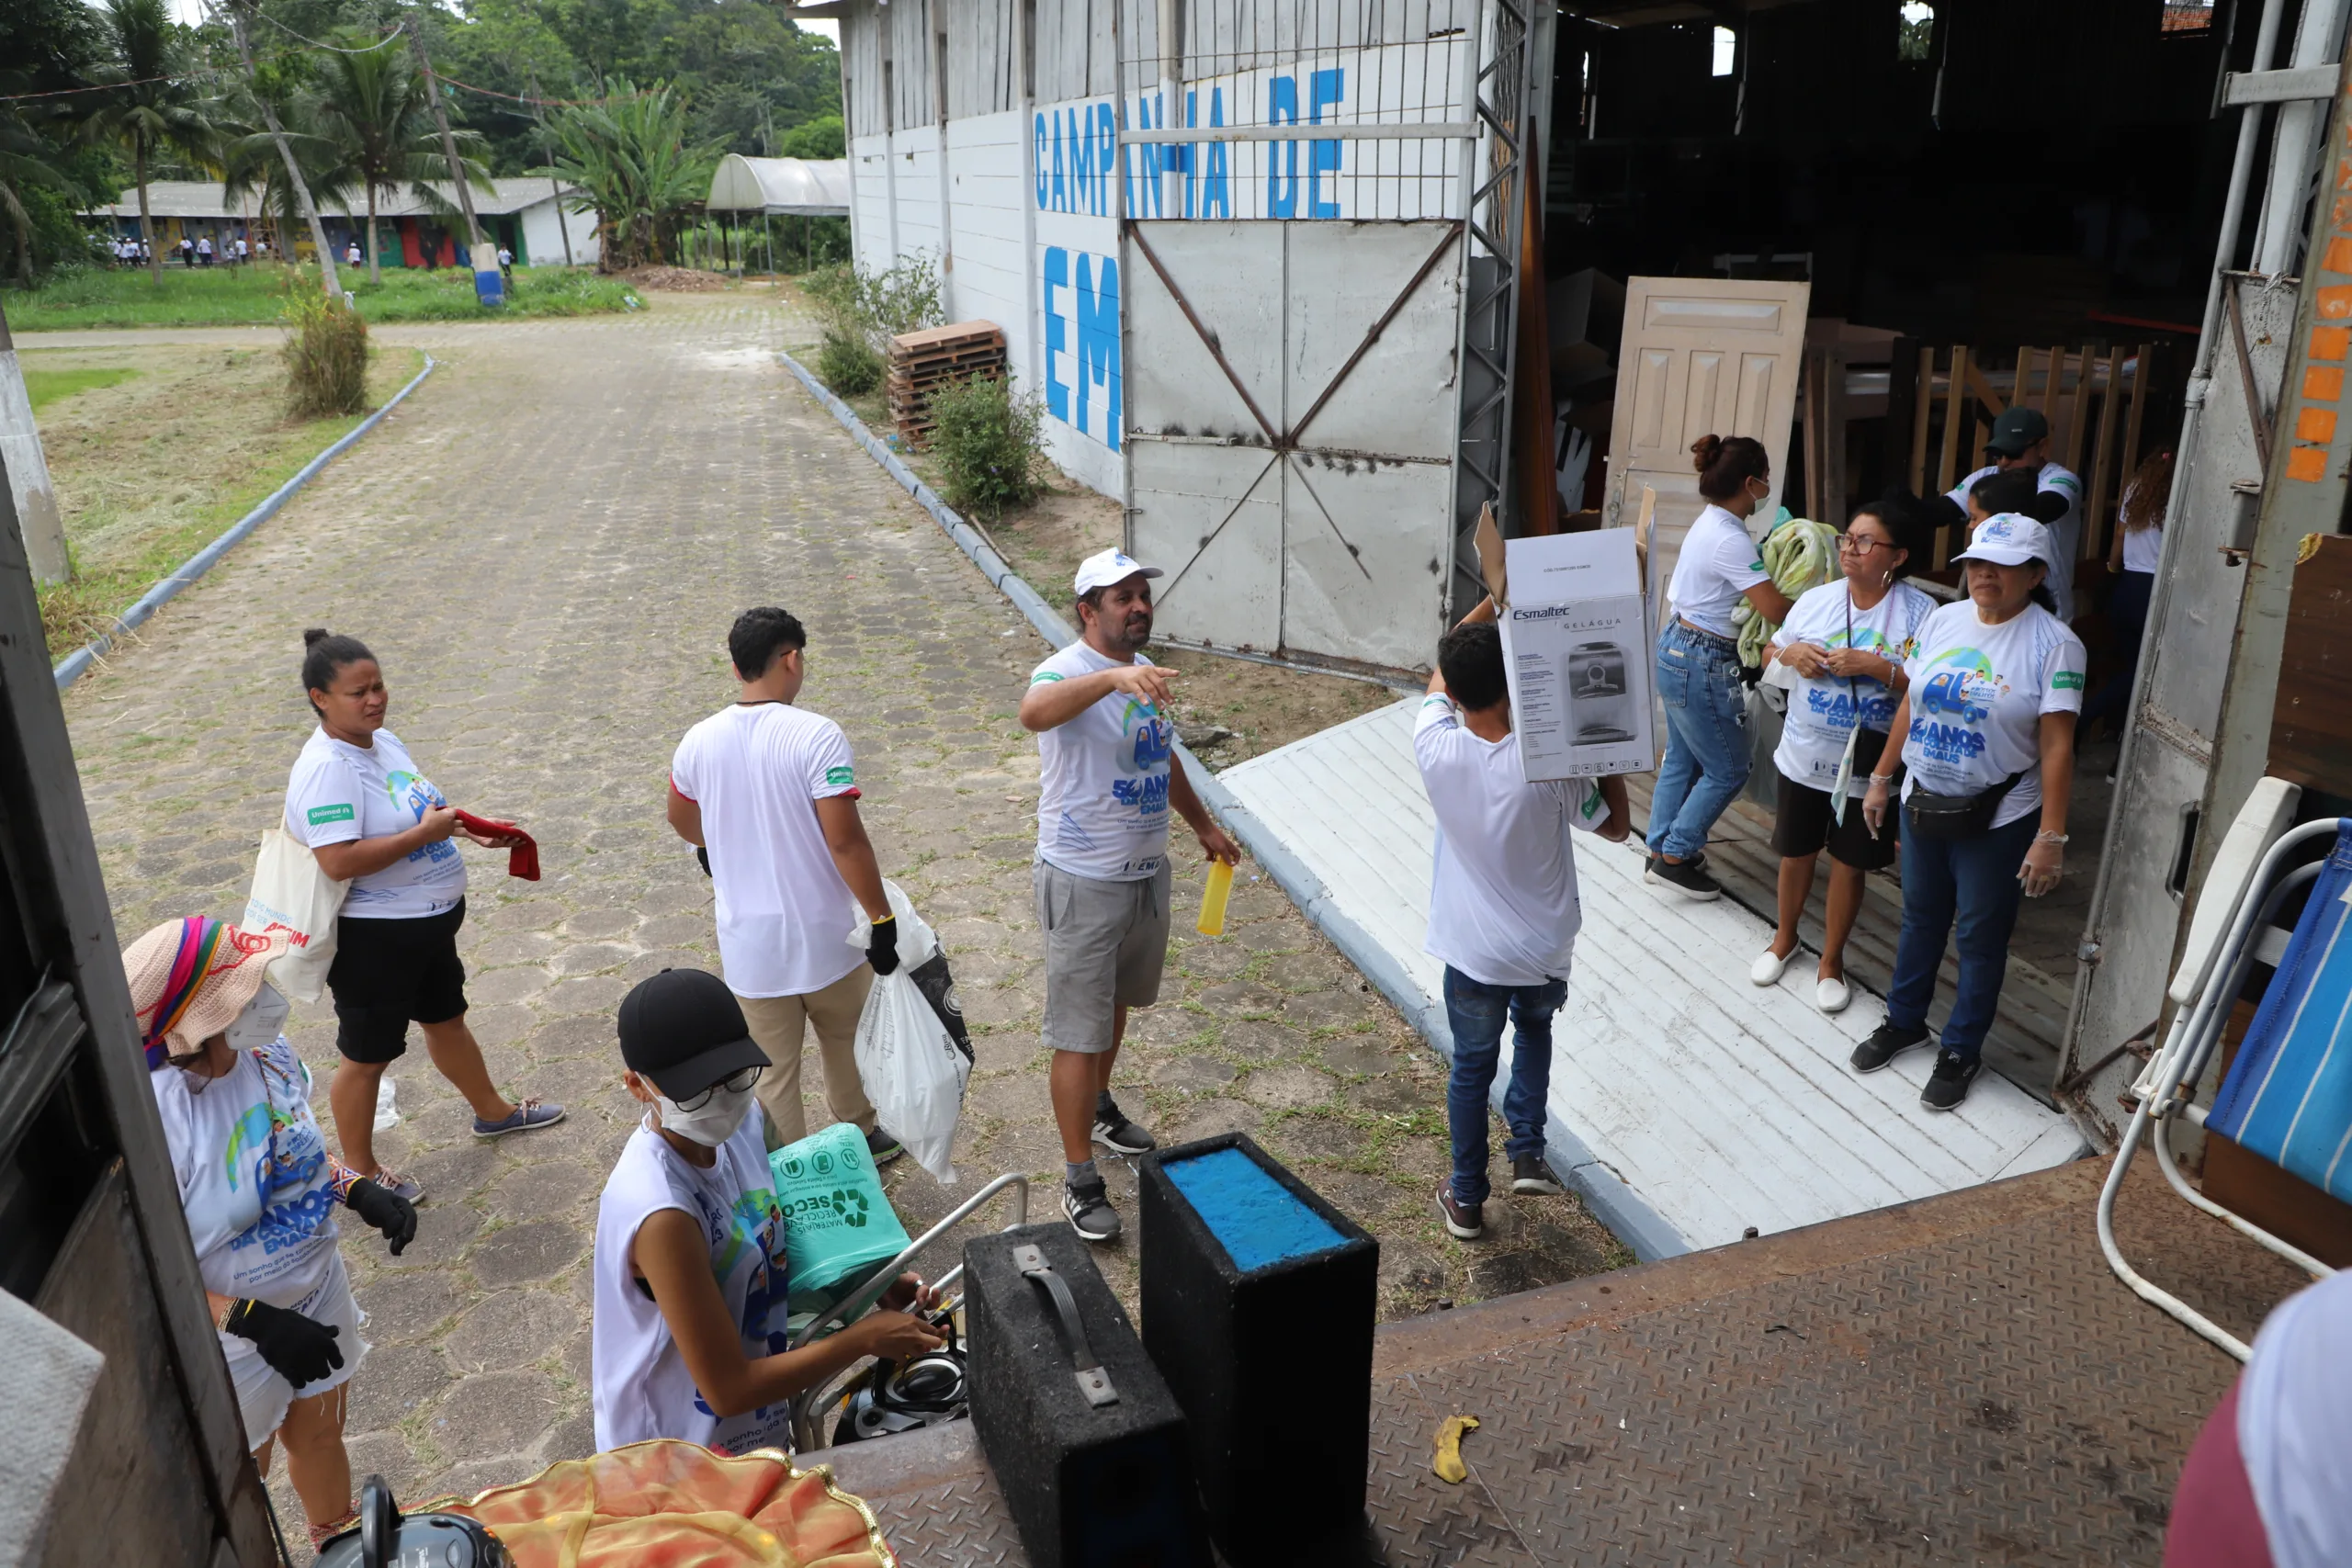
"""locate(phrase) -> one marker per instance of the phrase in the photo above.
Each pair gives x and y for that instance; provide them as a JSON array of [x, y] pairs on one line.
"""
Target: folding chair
[[810, 1403], [2288, 1096]]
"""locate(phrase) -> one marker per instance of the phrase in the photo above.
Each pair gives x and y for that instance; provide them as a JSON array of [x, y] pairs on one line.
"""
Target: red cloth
[[2214, 1521], [522, 858]]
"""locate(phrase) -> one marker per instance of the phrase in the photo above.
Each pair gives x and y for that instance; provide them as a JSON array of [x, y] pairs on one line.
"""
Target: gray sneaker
[[1088, 1210]]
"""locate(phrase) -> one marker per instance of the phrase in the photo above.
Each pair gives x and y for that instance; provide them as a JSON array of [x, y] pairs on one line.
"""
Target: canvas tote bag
[[292, 895]]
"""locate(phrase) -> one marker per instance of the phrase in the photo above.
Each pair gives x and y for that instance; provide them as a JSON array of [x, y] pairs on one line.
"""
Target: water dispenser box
[[1259, 1302], [1576, 648]]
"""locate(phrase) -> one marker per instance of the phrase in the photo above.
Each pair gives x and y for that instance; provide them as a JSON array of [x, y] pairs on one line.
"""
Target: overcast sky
[[192, 12]]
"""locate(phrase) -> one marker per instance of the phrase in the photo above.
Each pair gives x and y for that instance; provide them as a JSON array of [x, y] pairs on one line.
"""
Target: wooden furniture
[[922, 362], [1942, 401]]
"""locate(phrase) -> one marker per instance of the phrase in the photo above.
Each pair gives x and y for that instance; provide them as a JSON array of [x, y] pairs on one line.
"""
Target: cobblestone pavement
[[544, 546]]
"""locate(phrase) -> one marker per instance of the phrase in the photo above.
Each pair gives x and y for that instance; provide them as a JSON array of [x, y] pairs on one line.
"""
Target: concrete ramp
[[1689, 1105]]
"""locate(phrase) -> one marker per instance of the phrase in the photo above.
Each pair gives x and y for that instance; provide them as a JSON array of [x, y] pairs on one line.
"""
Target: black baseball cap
[[2014, 430], [685, 1031]]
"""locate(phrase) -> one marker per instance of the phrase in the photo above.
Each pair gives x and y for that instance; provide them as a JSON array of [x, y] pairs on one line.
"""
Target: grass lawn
[[250, 295], [47, 386], [157, 450]]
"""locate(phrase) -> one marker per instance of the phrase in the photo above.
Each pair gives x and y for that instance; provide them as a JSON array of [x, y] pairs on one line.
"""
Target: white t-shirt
[[2144, 548], [2066, 533], [2295, 1425], [1103, 802], [1823, 708], [254, 1175], [1503, 905], [757, 771], [1718, 563], [339, 794], [1977, 696], [642, 1387]]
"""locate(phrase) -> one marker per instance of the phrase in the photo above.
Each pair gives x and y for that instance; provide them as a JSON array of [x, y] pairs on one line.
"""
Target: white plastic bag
[[907, 1062], [292, 895]]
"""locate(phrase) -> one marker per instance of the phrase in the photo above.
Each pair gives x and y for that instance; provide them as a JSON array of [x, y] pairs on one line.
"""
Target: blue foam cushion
[[1256, 1219]]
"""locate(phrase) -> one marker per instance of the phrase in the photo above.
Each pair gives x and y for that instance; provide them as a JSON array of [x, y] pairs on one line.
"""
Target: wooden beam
[[1922, 409], [2097, 531]]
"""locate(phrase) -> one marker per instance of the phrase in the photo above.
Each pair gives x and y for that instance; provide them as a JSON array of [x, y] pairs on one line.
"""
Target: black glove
[[702, 859], [385, 1211], [882, 948], [299, 1350]]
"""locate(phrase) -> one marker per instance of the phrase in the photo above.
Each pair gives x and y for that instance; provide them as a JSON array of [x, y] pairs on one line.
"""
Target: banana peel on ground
[[1449, 1466]]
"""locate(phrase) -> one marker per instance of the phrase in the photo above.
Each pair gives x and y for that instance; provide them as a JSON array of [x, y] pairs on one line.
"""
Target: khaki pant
[[779, 1028]]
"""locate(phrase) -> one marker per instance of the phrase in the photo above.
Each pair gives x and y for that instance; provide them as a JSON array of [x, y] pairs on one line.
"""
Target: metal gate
[[1292, 447], [1318, 369]]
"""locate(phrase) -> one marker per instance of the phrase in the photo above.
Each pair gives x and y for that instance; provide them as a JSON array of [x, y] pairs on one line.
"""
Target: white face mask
[[710, 1124], [260, 1023]]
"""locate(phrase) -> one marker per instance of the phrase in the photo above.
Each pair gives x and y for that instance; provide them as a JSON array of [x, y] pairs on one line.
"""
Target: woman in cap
[[1698, 663], [260, 1192], [356, 800], [1845, 642], [689, 1337], [1986, 732]]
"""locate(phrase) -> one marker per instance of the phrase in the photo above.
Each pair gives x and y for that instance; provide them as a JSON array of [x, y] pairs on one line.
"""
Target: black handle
[[1093, 1380], [379, 1524]]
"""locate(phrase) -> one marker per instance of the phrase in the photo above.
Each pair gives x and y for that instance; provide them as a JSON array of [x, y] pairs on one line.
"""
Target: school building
[[530, 215]]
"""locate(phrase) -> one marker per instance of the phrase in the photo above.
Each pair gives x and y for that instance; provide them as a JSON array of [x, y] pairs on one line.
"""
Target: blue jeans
[[1972, 884], [1475, 1011], [1706, 739]]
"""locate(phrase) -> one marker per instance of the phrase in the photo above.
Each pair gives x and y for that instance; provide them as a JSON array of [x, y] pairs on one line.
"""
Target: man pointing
[[1098, 711]]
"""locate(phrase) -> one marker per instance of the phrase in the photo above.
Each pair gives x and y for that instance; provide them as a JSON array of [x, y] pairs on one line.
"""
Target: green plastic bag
[[838, 1226]]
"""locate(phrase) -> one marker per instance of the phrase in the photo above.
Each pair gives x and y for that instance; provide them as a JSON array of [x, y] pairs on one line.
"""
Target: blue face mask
[[261, 1022]]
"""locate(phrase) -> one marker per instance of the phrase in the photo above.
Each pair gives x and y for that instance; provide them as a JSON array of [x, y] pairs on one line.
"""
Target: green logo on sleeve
[[2066, 680], [1042, 676], [839, 778], [321, 815]]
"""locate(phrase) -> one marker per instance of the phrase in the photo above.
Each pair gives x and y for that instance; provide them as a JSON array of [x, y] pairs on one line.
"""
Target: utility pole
[[328, 279], [488, 287]]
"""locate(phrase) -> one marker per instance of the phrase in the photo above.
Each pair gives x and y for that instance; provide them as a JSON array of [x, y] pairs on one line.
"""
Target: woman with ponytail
[[356, 798], [1698, 662]]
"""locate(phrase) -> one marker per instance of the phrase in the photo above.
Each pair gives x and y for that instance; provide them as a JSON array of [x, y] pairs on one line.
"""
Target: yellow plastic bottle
[[1220, 888]]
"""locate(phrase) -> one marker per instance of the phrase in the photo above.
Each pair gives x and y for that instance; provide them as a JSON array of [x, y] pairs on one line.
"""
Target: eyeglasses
[[1859, 545], [733, 1083]]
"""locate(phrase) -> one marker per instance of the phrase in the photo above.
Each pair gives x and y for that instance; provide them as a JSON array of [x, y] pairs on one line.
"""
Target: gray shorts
[[1106, 943]]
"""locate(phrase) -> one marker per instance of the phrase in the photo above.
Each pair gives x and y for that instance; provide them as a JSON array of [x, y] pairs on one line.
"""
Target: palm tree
[[373, 111], [155, 108], [635, 166]]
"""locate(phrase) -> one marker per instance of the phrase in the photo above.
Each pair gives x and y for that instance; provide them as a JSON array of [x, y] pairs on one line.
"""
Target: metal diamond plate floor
[[1955, 1380]]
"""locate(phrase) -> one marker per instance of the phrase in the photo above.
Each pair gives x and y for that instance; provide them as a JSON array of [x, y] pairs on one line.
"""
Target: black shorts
[[389, 973], [1804, 825]]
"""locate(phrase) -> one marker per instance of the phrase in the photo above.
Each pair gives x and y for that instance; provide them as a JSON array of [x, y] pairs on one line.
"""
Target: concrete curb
[[71, 668], [1615, 1204]]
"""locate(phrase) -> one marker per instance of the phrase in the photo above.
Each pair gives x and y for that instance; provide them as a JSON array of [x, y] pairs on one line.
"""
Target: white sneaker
[[1832, 995], [1768, 968]]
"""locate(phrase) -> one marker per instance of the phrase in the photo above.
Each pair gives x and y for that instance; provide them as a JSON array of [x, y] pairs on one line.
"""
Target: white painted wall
[[1037, 253], [543, 235]]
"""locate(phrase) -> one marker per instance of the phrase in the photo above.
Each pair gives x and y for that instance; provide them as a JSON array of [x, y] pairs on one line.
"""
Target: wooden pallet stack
[[922, 362]]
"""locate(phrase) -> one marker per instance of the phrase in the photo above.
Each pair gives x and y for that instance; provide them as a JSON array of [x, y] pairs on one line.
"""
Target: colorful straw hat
[[190, 979]]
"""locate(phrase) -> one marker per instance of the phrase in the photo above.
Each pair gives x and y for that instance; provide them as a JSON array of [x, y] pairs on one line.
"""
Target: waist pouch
[[1935, 816]]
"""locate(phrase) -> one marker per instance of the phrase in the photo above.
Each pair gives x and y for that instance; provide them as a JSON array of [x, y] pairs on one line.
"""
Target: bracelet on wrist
[[2047, 837], [1882, 778]]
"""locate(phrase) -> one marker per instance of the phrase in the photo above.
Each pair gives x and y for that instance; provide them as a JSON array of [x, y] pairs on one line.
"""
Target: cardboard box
[[1577, 645]]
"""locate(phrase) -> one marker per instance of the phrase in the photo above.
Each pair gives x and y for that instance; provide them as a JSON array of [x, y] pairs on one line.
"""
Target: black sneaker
[[1688, 878], [1088, 1211], [882, 1148], [1885, 1042], [1947, 1085], [1530, 1175], [1462, 1223], [1117, 1134]]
